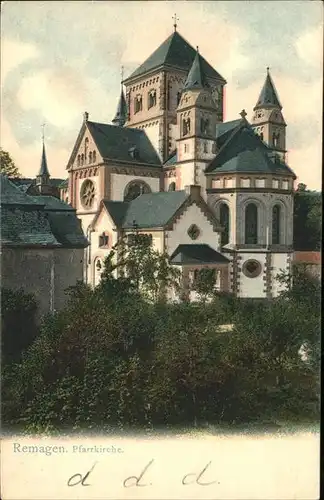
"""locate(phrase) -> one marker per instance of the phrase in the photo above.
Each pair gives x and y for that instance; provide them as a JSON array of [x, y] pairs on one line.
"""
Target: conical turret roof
[[268, 97], [196, 78], [121, 113]]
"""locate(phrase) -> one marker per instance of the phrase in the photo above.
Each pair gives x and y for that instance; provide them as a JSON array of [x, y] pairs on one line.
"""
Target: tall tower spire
[[268, 121], [121, 113], [43, 176]]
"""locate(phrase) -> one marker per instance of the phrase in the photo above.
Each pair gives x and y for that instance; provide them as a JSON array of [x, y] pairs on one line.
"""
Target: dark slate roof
[[245, 152], [223, 128], [154, 209], [12, 195], [64, 184], [117, 210], [174, 52], [37, 220], [268, 97], [115, 143], [196, 254], [121, 113], [26, 227], [25, 183], [52, 203], [196, 78], [172, 160], [66, 227], [44, 168]]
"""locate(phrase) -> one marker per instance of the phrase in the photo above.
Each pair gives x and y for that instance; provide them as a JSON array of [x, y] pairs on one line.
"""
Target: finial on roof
[[243, 114], [122, 74], [43, 134], [268, 69], [197, 48], [85, 116], [175, 19]]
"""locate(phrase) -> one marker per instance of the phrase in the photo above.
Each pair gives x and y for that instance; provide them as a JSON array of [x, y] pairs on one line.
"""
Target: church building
[[209, 193]]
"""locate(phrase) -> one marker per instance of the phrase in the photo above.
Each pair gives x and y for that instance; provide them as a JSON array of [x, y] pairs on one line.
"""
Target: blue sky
[[62, 58]]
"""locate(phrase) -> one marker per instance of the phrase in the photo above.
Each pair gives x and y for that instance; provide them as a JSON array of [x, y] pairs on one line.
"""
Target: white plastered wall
[[179, 234], [279, 262], [252, 287]]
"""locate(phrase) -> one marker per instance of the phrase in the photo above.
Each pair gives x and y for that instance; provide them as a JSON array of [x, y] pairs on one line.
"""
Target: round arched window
[[252, 268], [135, 189], [172, 186], [87, 194]]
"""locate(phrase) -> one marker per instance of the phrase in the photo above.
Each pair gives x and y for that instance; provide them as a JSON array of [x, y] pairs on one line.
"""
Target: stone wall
[[44, 272]]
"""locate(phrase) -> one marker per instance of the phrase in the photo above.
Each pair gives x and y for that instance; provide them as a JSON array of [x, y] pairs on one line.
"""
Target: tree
[[307, 219], [18, 323], [7, 165], [141, 269]]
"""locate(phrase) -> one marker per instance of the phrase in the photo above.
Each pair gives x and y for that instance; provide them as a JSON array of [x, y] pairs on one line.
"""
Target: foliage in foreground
[[112, 360]]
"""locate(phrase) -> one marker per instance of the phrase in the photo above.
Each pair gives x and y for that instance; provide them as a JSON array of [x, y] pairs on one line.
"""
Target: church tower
[[43, 177], [268, 120], [196, 127]]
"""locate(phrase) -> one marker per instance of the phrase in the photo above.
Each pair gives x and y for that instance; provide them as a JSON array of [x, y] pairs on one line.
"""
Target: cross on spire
[[175, 19], [243, 114]]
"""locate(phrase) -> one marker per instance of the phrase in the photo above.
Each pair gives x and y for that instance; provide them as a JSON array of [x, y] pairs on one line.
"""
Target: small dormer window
[[151, 99], [138, 103], [134, 153]]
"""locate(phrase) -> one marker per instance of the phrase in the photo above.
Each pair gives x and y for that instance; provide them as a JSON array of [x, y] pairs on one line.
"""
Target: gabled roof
[[121, 113], [244, 151], [45, 221], [153, 209], [196, 254], [67, 229], [196, 78], [44, 168], [12, 195], [117, 210], [174, 52], [52, 203], [268, 97], [118, 143]]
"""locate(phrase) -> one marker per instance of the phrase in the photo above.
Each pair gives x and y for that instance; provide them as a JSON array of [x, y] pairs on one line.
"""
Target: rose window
[[87, 194], [193, 232], [252, 268]]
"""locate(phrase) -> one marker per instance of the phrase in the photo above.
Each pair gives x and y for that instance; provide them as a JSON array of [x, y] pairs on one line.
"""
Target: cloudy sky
[[59, 59]]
